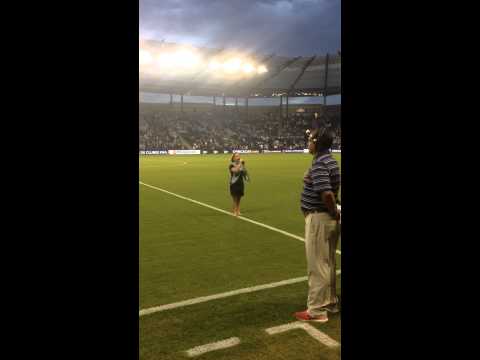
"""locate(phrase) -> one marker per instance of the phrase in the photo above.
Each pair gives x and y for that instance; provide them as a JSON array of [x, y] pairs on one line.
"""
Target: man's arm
[[322, 185]]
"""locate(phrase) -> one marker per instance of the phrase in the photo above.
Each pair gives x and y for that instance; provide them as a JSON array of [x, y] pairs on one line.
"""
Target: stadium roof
[[314, 75]]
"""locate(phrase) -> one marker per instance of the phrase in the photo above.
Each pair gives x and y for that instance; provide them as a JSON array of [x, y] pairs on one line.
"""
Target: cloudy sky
[[284, 27]]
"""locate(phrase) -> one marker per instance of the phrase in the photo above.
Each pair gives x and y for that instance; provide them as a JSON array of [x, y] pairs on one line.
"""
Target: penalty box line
[[228, 213]]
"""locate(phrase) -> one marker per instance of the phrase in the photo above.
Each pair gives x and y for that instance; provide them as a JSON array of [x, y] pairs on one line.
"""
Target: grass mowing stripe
[[227, 213], [202, 299]]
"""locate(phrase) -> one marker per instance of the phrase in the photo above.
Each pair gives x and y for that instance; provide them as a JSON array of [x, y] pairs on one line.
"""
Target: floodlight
[[186, 58], [262, 69], [247, 68], [214, 65], [165, 60], [145, 57], [232, 65]]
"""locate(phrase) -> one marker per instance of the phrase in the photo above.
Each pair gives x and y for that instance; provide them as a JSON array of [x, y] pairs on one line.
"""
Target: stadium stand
[[228, 130], [187, 72]]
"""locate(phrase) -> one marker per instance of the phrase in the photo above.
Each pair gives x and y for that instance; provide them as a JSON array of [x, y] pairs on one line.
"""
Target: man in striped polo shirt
[[319, 206]]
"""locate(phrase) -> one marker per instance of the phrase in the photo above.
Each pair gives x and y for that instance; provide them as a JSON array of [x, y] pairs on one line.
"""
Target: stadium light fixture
[[232, 65], [261, 69], [165, 60], [247, 68], [186, 59], [179, 60], [214, 65], [145, 57]]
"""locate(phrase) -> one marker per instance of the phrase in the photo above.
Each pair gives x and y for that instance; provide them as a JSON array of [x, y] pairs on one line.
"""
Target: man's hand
[[329, 199], [338, 216]]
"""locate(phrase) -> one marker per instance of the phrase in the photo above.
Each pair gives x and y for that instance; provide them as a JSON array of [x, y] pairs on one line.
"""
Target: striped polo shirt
[[324, 175]]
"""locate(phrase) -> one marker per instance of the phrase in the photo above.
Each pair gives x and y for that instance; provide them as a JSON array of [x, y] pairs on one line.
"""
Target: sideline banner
[[184, 152], [246, 151], [153, 152]]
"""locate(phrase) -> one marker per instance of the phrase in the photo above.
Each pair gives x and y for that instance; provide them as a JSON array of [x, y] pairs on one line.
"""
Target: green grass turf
[[272, 197], [167, 335], [187, 250]]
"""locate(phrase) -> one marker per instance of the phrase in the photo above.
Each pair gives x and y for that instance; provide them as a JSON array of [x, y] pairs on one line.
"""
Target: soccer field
[[202, 270]]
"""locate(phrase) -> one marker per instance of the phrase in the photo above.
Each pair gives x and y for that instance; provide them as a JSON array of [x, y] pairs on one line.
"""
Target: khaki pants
[[321, 238]]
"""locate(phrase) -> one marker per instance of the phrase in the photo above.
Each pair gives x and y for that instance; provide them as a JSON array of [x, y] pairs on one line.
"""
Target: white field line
[[223, 344], [313, 332], [202, 299], [228, 213], [221, 295]]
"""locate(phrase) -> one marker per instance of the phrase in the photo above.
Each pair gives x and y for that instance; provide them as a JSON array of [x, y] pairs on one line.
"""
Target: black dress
[[236, 182]]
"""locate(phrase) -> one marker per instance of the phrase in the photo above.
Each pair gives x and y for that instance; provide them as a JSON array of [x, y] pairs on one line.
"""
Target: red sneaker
[[305, 316]]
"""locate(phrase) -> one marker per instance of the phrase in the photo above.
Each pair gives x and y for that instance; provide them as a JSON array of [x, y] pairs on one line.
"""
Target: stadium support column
[[326, 81], [281, 105], [181, 103], [214, 102], [246, 105], [171, 100], [224, 102], [236, 103], [287, 106]]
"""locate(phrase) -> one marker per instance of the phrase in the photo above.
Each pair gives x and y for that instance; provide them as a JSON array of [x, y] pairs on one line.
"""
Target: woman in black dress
[[238, 173]]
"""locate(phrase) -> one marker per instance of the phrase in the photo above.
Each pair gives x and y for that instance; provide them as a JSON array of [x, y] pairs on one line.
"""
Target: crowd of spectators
[[228, 130]]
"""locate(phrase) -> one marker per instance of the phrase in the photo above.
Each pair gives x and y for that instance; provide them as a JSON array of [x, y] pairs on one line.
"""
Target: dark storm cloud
[[286, 27]]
